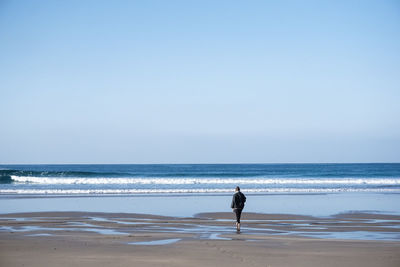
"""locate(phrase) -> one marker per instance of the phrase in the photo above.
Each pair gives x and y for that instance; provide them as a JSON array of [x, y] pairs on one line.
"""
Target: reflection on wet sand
[[213, 226]]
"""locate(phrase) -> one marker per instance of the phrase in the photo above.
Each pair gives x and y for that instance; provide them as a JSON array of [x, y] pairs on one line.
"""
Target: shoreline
[[121, 239], [188, 205]]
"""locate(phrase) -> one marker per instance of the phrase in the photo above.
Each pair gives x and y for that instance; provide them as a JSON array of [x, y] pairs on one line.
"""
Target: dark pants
[[238, 213]]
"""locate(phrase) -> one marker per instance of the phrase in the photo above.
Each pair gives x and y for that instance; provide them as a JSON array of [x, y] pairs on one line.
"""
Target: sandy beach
[[135, 133], [207, 239]]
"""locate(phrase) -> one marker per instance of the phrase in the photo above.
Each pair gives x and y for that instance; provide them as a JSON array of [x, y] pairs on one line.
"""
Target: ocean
[[188, 189], [198, 179]]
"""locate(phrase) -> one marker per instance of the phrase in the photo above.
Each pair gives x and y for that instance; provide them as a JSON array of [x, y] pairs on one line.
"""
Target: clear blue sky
[[199, 81]]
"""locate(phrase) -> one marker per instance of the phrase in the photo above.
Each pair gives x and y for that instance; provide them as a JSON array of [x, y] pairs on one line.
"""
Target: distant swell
[[96, 174], [189, 181], [22, 173]]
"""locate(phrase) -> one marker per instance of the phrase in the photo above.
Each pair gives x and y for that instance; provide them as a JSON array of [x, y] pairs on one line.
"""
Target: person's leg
[[237, 218], [239, 214]]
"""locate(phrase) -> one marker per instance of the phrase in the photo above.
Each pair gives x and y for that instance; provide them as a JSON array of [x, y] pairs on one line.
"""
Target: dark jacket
[[238, 200]]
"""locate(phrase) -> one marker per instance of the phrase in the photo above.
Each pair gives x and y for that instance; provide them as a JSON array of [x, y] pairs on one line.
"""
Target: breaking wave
[[198, 179], [190, 191], [219, 181]]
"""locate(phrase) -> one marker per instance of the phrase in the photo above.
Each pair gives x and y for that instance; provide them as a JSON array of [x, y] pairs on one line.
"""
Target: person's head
[[237, 189]]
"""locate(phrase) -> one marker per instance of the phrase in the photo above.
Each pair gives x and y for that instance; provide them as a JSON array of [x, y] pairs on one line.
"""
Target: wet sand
[[208, 239]]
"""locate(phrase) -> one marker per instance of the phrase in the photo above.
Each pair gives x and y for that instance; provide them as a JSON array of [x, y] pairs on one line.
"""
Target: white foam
[[191, 191], [190, 181]]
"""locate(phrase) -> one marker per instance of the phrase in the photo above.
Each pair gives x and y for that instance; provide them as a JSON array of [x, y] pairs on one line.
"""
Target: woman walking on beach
[[237, 205]]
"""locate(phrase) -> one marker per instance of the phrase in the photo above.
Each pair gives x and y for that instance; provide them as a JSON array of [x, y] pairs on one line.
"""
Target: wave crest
[[188, 181]]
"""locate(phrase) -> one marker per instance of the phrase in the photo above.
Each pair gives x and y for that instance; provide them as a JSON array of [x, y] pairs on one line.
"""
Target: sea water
[[186, 189], [198, 178]]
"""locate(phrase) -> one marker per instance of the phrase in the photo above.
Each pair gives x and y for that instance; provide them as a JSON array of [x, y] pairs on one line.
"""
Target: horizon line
[[237, 163]]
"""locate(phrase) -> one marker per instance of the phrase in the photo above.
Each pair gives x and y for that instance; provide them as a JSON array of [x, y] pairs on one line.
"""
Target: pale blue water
[[189, 205]]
